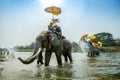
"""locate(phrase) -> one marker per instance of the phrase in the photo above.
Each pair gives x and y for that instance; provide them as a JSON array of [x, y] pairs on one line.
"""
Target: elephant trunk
[[30, 59], [27, 61]]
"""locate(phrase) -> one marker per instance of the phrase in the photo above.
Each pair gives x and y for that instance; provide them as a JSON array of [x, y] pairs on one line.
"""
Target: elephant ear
[[40, 37]]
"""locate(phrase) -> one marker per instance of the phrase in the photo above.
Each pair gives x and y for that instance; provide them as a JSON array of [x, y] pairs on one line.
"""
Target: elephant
[[93, 52], [4, 51], [51, 43]]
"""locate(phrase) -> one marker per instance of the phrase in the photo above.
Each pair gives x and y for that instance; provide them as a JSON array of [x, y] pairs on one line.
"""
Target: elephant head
[[37, 50], [43, 41]]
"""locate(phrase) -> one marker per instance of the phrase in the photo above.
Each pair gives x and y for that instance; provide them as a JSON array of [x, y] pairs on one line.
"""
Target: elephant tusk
[[31, 58], [36, 54]]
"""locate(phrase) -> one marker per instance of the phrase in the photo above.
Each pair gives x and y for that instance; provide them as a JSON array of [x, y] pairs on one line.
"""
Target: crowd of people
[[91, 40]]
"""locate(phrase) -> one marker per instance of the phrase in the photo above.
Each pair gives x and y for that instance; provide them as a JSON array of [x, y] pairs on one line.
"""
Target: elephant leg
[[47, 57], [40, 57], [66, 59], [92, 54], [89, 54], [70, 56], [97, 53], [65, 56], [58, 56]]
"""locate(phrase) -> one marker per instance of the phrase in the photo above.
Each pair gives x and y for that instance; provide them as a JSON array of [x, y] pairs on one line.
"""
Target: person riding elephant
[[57, 45], [55, 28], [58, 31], [51, 26], [91, 45]]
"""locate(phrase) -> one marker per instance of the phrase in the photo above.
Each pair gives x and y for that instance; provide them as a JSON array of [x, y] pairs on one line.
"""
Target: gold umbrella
[[54, 10], [84, 36]]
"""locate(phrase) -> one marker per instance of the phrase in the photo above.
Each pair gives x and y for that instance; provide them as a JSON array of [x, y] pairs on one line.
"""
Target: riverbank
[[24, 50], [103, 49], [110, 49]]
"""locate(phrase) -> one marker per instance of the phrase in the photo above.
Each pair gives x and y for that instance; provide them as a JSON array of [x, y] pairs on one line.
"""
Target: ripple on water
[[104, 67]]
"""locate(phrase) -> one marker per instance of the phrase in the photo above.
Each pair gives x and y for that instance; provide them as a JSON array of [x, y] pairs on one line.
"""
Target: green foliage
[[75, 47], [110, 49], [117, 41], [24, 50], [31, 46], [106, 39]]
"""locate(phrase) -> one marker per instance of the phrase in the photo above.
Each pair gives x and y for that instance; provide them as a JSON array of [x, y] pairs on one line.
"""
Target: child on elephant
[[51, 26]]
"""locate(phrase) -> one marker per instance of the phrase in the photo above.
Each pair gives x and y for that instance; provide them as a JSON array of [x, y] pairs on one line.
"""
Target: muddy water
[[104, 67]]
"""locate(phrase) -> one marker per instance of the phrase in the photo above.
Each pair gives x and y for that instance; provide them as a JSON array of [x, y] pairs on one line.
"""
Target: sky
[[22, 20]]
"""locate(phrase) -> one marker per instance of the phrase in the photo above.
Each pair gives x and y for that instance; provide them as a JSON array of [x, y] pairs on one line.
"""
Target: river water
[[104, 67]]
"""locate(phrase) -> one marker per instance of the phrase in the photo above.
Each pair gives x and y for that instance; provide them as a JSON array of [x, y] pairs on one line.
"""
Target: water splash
[[6, 56], [83, 45]]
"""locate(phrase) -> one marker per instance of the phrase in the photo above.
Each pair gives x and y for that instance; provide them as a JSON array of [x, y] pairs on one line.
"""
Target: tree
[[31, 46], [106, 38], [117, 41], [75, 47]]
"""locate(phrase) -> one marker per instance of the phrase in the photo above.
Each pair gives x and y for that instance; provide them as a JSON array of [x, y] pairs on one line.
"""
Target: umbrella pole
[[52, 11]]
